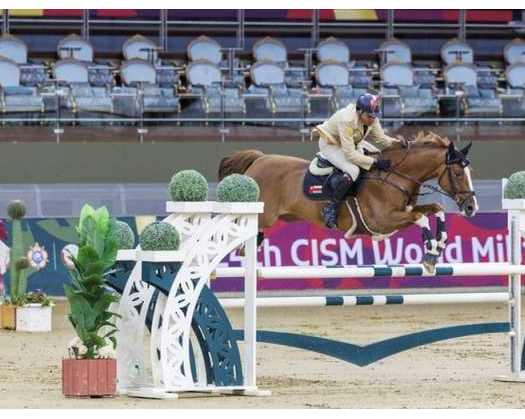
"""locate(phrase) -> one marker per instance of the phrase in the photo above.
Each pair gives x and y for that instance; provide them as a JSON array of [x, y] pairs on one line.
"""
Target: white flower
[[75, 342], [77, 347], [107, 352]]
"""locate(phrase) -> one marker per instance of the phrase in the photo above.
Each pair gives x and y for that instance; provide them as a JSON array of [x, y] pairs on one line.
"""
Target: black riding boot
[[331, 211]]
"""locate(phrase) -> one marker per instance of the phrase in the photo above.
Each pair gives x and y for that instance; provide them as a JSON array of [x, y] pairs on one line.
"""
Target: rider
[[342, 141]]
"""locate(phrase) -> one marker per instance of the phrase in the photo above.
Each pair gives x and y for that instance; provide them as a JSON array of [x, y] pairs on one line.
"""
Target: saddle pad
[[316, 187]]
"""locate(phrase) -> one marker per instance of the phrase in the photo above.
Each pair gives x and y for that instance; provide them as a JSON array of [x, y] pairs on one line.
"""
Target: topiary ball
[[16, 209], [122, 233], [515, 187], [188, 185], [159, 236], [238, 188]]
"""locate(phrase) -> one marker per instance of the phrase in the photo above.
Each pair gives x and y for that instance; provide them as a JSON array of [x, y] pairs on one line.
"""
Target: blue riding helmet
[[369, 103]]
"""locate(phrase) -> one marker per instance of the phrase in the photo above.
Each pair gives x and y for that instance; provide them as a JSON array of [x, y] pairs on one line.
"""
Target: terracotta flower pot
[[8, 316], [89, 377]]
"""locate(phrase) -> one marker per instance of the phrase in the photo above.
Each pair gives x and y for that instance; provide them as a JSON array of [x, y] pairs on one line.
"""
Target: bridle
[[456, 193]]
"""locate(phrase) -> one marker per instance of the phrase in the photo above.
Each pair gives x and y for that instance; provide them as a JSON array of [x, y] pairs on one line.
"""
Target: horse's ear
[[465, 150], [451, 149]]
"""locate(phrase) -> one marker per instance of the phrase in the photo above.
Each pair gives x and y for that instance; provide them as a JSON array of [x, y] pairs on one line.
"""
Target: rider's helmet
[[368, 103]]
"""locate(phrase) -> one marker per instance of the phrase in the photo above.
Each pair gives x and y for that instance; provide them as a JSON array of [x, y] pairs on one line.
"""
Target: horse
[[386, 200]]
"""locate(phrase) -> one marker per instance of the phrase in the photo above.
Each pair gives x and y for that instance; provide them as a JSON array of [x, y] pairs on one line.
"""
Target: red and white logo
[[315, 189]]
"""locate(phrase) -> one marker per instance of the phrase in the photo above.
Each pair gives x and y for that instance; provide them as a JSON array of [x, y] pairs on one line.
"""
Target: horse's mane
[[431, 138], [424, 140]]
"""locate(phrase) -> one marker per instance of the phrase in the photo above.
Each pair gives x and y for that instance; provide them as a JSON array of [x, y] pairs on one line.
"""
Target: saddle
[[321, 178]]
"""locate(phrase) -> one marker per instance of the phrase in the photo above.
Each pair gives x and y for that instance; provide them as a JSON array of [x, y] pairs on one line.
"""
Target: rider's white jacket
[[345, 129]]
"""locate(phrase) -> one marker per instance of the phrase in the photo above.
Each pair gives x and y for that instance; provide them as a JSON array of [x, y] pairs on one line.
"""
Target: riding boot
[[331, 211]]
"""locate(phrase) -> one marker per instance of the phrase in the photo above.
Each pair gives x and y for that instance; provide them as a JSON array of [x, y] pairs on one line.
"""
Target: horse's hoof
[[429, 262]]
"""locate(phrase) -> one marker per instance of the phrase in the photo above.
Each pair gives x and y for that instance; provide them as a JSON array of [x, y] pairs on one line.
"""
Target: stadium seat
[[333, 78], [401, 96], [142, 48], [514, 51], [205, 79], [394, 51], [271, 49], [457, 51], [206, 48], [140, 93], [14, 49], [82, 98], [334, 50], [480, 96], [268, 79], [75, 47], [13, 96]]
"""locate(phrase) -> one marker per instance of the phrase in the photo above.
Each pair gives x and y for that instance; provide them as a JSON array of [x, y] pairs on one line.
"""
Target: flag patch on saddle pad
[[315, 189]]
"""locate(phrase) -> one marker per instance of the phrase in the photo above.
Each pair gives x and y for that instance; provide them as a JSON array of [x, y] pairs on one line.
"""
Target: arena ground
[[451, 374]]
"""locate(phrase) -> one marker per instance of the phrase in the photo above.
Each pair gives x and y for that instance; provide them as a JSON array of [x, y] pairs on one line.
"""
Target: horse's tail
[[238, 162]]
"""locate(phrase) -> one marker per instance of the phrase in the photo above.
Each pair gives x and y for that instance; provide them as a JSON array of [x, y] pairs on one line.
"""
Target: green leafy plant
[[88, 297], [238, 188], [159, 236], [188, 185], [515, 187]]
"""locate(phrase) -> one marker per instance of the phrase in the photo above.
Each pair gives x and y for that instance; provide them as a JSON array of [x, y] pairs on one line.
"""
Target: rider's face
[[367, 119]]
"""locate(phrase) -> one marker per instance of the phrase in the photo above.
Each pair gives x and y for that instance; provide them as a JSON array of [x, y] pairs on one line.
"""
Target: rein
[[410, 197]]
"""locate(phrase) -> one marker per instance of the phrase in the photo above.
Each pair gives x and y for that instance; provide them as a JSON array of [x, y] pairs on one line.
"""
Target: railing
[[296, 126]]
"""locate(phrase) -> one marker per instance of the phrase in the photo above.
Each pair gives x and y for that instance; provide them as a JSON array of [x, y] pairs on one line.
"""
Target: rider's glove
[[382, 164]]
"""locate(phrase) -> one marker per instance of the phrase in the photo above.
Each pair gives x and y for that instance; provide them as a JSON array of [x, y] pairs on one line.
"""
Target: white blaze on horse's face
[[471, 188]]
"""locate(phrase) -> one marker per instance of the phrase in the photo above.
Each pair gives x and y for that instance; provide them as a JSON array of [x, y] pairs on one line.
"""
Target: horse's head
[[455, 179]]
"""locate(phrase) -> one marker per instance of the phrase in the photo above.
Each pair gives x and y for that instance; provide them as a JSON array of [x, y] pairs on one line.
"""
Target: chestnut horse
[[387, 200]]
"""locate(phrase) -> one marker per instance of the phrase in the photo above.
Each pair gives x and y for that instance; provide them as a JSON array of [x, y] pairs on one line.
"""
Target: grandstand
[[251, 78], [222, 72]]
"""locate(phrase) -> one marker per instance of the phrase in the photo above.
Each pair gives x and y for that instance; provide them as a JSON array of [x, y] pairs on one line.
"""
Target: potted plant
[[34, 313], [91, 367]]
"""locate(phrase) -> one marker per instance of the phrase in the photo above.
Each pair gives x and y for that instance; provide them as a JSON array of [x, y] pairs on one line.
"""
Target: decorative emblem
[[37, 256]]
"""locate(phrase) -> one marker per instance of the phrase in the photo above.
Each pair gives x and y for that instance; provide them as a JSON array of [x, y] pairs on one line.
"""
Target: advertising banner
[[478, 239]]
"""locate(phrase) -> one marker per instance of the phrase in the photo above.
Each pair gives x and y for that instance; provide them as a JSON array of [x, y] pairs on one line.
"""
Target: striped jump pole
[[361, 300], [375, 271]]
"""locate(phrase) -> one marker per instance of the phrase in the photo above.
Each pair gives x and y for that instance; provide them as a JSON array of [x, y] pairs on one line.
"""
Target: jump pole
[[366, 300]]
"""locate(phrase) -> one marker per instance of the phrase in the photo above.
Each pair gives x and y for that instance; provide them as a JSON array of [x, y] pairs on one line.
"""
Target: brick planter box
[[89, 377]]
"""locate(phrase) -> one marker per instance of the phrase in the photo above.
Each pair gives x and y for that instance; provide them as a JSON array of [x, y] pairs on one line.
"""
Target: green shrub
[[123, 235], [515, 187], [16, 210], [238, 188], [188, 185], [159, 236]]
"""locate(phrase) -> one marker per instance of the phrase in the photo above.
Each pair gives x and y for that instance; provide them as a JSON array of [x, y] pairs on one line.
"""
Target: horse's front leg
[[441, 231], [401, 219]]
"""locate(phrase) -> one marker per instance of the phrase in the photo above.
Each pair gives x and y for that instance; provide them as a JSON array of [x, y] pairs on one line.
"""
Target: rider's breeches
[[334, 154]]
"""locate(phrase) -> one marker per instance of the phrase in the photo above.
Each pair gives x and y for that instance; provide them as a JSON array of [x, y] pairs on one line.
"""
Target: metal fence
[[131, 199]]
